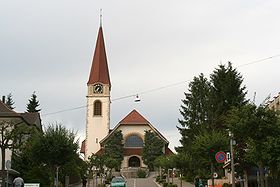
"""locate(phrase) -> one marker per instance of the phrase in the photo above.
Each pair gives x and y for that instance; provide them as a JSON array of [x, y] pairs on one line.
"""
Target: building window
[[133, 141], [97, 108], [96, 140]]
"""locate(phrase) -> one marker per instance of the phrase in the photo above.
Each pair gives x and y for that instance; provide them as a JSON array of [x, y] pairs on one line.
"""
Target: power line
[[155, 89], [257, 61], [119, 98]]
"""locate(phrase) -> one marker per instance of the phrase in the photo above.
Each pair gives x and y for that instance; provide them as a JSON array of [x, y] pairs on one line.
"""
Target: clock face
[[98, 88]]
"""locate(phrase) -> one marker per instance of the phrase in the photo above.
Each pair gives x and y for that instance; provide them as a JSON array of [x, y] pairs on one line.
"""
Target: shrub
[[141, 173], [171, 185], [157, 178], [165, 184], [226, 185]]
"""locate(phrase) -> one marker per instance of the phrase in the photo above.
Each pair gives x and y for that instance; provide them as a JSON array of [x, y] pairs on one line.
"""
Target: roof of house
[[99, 69], [32, 119], [5, 111], [28, 118]]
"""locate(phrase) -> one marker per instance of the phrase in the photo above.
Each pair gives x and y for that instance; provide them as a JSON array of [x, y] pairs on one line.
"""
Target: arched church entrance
[[134, 161]]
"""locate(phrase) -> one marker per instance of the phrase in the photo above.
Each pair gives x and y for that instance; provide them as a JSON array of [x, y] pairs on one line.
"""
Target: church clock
[[98, 88]]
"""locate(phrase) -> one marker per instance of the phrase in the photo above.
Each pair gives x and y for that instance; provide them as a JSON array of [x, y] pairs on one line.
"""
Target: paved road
[[139, 182]]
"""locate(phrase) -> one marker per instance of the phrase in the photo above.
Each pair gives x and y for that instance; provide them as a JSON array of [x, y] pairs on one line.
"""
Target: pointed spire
[[100, 17], [99, 68]]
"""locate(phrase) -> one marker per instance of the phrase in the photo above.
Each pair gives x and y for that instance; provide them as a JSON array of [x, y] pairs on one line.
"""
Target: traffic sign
[[215, 175], [220, 156], [8, 164]]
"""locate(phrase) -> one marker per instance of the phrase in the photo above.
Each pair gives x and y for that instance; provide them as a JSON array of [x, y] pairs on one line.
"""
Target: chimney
[[3, 99]]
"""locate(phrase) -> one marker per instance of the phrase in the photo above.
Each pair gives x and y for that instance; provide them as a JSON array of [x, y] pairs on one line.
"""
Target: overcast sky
[[47, 46]]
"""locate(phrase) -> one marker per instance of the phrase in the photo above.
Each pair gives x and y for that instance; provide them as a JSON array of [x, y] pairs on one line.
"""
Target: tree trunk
[[261, 174], [3, 166], [245, 178]]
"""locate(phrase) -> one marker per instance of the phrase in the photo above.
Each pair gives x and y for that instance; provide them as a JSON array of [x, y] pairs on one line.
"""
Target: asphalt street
[[140, 182]]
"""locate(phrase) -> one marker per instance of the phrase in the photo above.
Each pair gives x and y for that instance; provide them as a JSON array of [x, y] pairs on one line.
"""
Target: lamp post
[[56, 181], [232, 159]]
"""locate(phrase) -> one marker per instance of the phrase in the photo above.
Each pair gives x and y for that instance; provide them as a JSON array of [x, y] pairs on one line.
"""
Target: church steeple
[[99, 69], [98, 98]]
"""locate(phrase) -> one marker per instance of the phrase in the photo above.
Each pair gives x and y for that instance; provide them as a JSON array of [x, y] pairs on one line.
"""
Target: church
[[133, 126]]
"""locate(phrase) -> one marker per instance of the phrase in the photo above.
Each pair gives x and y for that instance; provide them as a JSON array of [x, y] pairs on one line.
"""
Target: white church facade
[[133, 126]]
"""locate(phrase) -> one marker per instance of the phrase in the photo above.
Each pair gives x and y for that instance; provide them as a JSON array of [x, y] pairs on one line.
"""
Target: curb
[[157, 183]]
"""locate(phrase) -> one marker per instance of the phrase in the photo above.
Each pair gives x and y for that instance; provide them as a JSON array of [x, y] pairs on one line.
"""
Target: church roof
[[99, 69], [134, 117]]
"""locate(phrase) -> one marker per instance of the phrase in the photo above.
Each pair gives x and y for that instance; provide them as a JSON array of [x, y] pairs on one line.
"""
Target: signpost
[[221, 157], [8, 166]]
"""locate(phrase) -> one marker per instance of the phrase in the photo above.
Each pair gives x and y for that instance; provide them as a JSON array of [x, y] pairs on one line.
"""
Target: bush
[[227, 185], [171, 185], [157, 178], [141, 173], [165, 184]]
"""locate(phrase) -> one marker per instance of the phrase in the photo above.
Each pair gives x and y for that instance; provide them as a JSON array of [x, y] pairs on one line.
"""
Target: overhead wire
[[155, 89]]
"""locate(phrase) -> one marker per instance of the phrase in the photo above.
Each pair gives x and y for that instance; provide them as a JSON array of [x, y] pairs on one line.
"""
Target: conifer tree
[[227, 91], [10, 101], [114, 148], [205, 108], [33, 104], [152, 149]]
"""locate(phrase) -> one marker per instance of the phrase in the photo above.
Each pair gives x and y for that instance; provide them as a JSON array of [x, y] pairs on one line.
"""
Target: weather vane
[[100, 17]]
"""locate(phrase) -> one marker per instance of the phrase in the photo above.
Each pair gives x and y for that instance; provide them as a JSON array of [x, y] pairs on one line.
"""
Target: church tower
[[98, 98]]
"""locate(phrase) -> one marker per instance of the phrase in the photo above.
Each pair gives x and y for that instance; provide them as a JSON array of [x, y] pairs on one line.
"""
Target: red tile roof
[[134, 117], [168, 151], [83, 147], [99, 69], [100, 152]]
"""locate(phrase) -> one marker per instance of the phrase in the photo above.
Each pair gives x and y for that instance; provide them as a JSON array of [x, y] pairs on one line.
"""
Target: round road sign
[[220, 156], [8, 164]]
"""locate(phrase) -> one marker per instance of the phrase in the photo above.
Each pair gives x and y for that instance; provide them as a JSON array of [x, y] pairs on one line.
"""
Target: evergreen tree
[[114, 148], [204, 111], [33, 104], [227, 91], [10, 101], [195, 109], [152, 149]]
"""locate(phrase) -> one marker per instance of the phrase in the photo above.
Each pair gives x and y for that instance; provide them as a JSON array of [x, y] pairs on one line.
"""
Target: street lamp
[[231, 159], [56, 181]]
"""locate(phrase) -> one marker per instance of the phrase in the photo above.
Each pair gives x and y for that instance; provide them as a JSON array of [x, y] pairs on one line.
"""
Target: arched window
[[133, 141], [97, 108]]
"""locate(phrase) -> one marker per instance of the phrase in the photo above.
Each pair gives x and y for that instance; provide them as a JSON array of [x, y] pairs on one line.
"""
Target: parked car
[[118, 182]]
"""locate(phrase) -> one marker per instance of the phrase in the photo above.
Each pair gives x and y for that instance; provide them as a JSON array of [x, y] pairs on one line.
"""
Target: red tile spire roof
[[134, 117], [99, 69]]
